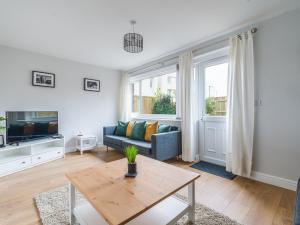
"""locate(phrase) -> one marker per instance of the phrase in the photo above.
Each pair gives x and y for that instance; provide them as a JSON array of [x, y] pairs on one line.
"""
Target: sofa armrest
[[109, 130], [297, 206], [166, 145]]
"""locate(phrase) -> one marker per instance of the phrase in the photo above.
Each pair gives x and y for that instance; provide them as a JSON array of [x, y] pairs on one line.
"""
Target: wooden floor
[[247, 201]]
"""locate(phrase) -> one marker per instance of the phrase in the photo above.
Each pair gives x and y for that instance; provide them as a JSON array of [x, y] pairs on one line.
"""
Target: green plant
[[210, 104], [130, 153], [163, 104], [2, 118]]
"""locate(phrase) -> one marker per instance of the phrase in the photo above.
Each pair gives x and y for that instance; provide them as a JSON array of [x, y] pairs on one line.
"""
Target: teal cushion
[[138, 131], [162, 128], [121, 128]]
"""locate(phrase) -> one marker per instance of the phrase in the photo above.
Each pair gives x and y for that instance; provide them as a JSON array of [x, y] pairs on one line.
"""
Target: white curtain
[[188, 106], [240, 106], [125, 103]]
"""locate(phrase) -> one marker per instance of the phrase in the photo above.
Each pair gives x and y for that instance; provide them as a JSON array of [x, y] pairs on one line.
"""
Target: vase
[[131, 170]]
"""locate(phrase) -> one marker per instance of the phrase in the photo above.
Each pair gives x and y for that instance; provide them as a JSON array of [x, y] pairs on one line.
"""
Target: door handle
[[202, 115]]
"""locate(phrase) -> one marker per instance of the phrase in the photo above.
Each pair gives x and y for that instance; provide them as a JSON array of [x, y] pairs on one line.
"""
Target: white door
[[213, 74]]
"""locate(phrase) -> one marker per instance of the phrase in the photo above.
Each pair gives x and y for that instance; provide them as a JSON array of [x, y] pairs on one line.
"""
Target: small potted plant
[[130, 153]]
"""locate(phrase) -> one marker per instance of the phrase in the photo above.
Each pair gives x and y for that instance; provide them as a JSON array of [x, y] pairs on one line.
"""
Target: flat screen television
[[30, 125]]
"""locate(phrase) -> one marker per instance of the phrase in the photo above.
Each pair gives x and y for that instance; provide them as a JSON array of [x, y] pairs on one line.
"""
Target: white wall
[[79, 110], [277, 131]]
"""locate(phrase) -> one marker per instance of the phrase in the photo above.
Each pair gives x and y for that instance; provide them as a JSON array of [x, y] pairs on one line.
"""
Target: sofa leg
[[106, 148]]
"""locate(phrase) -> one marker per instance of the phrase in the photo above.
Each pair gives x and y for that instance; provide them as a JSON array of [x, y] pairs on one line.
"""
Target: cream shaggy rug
[[53, 207]]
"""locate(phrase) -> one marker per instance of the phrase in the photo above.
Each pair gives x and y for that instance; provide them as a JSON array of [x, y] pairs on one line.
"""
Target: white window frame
[[152, 74]]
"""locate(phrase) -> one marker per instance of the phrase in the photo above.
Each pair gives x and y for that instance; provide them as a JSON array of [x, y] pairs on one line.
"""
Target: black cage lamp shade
[[133, 42]]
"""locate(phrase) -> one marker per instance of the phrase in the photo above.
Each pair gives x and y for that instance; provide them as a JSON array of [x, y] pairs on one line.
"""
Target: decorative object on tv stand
[[43, 79], [2, 128], [133, 42], [91, 85], [130, 153]]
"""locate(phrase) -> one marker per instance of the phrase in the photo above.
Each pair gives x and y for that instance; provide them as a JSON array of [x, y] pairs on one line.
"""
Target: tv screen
[[25, 126]]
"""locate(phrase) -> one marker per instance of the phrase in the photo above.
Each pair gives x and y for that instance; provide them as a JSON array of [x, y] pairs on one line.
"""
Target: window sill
[[214, 118], [156, 117]]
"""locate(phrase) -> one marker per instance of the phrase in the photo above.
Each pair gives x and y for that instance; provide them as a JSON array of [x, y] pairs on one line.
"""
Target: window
[[155, 95], [215, 79], [135, 97]]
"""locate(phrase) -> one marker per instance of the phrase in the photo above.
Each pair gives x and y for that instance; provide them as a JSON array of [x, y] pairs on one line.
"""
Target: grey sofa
[[163, 146], [297, 206]]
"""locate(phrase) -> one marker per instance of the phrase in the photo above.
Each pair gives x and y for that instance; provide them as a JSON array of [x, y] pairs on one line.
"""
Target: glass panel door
[[213, 75]]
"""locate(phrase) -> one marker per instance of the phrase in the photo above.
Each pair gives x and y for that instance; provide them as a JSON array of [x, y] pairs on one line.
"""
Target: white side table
[[86, 142]]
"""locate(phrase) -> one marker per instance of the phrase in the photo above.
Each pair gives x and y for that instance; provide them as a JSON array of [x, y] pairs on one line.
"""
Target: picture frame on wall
[[91, 85], [43, 79]]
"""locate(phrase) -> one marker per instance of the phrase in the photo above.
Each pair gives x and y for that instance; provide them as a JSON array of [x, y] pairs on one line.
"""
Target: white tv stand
[[29, 154]]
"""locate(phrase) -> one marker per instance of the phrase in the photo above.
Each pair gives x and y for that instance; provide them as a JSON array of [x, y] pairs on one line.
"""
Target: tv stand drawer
[[36, 159], [56, 154], [14, 165]]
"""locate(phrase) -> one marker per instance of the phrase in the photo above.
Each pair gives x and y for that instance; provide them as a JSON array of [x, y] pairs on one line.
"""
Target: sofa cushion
[[117, 140], [143, 147], [151, 128], [129, 128], [162, 128], [297, 206], [121, 128], [138, 131]]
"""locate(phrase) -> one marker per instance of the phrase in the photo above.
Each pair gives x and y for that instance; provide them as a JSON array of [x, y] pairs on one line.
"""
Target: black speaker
[[2, 144]]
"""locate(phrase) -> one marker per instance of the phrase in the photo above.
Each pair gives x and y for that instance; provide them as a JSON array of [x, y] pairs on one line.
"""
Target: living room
[[149, 112]]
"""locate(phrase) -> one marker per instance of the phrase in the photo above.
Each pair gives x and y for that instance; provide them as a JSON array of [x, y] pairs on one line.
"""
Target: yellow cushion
[[129, 128], [151, 128]]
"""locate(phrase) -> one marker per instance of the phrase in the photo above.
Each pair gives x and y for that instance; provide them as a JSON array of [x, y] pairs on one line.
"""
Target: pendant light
[[133, 42]]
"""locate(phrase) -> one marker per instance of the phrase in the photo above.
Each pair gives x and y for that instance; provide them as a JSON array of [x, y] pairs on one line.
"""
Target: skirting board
[[273, 180]]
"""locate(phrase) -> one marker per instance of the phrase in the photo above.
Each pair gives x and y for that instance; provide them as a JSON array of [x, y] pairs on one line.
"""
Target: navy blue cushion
[[173, 128], [143, 147], [117, 140], [297, 206]]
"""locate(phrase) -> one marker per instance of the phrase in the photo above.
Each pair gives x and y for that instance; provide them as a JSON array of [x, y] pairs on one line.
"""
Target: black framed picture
[[91, 85], [43, 79]]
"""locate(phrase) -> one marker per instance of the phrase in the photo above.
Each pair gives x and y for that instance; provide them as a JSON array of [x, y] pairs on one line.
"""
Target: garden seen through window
[[155, 95], [216, 89]]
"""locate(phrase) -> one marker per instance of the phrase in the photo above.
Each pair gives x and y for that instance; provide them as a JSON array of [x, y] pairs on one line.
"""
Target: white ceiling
[[91, 31]]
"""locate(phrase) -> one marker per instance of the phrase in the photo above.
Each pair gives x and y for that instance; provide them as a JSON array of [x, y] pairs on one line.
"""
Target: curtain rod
[[193, 49]]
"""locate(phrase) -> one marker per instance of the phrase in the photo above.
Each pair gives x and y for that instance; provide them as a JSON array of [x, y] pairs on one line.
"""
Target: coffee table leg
[[191, 199], [72, 203]]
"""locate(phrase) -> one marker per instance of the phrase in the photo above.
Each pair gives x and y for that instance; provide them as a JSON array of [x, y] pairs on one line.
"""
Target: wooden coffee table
[[144, 200]]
